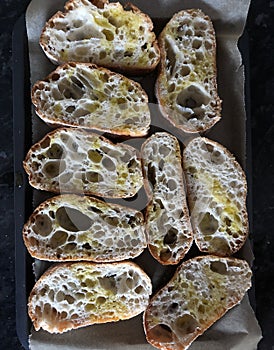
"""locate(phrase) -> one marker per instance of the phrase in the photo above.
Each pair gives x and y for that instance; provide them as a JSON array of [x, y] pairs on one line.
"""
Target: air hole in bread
[[72, 219], [172, 308], [108, 283], [196, 43], [95, 156], [170, 57], [92, 176], [108, 164], [208, 224], [171, 236], [43, 225], [208, 45], [95, 210], [209, 147], [71, 238], [55, 77], [165, 254], [159, 203], [190, 276], [112, 221], [218, 267], [58, 239], [151, 55], [108, 34], [217, 157], [55, 151], [172, 185], [70, 109], [185, 70], [65, 178], [164, 150], [54, 168], [193, 96], [186, 324], [77, 82], [171, 87], [45, 143], [162, 333], [221, 244], [200, 56]]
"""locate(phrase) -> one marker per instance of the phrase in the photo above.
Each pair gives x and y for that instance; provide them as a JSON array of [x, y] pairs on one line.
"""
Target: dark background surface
[[260, 28]]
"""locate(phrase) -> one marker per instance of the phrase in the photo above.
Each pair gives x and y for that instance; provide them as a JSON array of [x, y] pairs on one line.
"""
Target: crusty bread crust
[[186, 87], [201, 291], [83, 95], [127, 60], [71, 160], [73, 228], [167, 219], [73, 295], [217, 190]]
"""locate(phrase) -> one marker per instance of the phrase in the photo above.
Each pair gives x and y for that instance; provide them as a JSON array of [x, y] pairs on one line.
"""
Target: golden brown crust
[[160, 91]]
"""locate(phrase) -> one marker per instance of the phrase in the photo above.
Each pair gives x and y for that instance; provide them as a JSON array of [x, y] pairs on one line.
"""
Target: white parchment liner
[[238, 329]]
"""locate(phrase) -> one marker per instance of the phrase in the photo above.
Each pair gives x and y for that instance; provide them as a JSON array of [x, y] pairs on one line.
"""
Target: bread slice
[[202, 290], [84, 95], [72, 227], [103, 33], [74, 295], [217, 192], [186, 87], [167, 219], [78, 161]]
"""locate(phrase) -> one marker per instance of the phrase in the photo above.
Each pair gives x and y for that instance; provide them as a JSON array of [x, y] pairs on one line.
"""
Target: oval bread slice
[[78, 161], [186, 87], [74, 295], [71, 227], [84, 95], [217, 190], [103, 33], [202, 290], [167, 219]]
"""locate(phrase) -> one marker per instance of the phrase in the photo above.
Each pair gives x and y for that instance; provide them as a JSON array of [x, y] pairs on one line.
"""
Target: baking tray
[[23, 193]]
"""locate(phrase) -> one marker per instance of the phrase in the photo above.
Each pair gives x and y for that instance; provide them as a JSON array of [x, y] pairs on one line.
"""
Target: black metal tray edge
[[22, 193], [22, 134]]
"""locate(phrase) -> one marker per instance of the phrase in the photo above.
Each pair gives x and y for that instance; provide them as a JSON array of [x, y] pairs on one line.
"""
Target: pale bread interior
[[82, 95], [217, 197], [107, 35], [71, 227], [167, 221], [74, 160], [186, 87], [201, 291], [73, 295]]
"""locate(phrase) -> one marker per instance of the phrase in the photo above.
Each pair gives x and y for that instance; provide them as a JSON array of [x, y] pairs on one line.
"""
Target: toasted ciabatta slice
[[74, 295], [103, 33], [186, 87], [71, 227], [167, 219], [78, 161], [217, 191], [84, 95], [202, 290]]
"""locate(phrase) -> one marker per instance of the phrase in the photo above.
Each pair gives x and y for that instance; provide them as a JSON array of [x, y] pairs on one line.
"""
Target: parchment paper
[[238, 329]]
